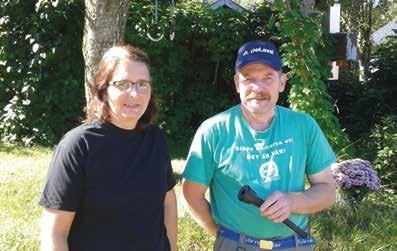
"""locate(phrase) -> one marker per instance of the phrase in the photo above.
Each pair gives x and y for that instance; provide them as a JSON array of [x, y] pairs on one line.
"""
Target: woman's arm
[[171, 217], [55, 227]]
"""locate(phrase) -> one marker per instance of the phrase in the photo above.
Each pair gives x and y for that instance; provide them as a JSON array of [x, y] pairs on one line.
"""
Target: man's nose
[[259, 85]]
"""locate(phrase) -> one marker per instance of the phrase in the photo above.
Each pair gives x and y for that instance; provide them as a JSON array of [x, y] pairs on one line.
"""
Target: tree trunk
[[307, 7], [366, 35], [104, 26]]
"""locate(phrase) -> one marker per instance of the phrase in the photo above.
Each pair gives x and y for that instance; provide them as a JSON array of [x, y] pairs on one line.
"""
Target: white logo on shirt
[[269, 171], [260, 144]]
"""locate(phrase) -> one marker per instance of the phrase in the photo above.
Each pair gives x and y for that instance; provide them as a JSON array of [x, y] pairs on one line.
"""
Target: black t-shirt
[[116, 181]]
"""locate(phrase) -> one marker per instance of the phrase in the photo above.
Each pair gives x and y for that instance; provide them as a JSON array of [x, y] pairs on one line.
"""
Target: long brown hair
[[98, 108]]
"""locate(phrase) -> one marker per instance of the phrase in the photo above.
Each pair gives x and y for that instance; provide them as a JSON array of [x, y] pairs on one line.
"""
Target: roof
[[229, 4], [238, 5], [388, 30]]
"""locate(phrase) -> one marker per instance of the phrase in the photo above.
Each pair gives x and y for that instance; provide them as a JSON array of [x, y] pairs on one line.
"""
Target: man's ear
[[236, 82], [283, 81]]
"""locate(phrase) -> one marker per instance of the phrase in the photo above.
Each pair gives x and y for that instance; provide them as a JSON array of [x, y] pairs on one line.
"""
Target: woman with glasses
[[110, 182]]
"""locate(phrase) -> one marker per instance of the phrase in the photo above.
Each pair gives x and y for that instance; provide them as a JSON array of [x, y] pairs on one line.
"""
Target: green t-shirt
[[226, 154]]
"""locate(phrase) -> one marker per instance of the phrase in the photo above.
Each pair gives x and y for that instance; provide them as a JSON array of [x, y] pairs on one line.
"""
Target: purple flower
[[356, 174]]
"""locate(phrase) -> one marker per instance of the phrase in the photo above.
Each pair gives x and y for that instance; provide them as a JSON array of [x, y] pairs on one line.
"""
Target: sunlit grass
[[21, 173], [367, 226], [371, 226]]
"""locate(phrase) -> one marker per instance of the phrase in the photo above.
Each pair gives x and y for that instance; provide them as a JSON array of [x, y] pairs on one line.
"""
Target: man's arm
[[55, 227], [199, 207], [320, 195], [171, 218]]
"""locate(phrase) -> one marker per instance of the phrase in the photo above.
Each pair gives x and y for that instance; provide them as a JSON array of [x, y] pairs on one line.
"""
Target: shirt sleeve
[[171, 181], [63, 188], [199, 165], [319, 154]]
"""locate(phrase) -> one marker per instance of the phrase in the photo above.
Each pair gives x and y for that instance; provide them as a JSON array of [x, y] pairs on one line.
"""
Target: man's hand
[[277, 207], [319, 196]]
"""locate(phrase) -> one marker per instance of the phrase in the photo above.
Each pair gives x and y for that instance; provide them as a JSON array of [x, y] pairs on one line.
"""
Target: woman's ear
[[105, 96]]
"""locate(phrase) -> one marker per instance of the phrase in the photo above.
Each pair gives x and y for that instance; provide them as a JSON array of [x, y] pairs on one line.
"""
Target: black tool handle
[[249, 196]]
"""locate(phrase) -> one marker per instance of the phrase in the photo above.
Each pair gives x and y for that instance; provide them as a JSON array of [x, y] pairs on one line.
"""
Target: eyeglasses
[[125, 85]]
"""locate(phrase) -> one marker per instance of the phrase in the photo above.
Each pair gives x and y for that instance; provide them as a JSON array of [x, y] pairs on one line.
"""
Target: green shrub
[[41, 66], [41, 69], [362, 104], [383, 76], [368, 110], [193, 73], [358, 105], [381, 149], [305, 49]]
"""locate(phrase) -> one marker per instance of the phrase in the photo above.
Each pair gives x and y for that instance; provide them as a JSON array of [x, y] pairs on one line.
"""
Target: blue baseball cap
[[258, 51]]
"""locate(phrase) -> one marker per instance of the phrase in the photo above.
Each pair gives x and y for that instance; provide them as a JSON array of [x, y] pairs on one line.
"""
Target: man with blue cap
[[268, 147]]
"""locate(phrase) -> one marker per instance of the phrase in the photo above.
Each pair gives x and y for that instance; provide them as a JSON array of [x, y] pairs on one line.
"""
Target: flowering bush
[[355, 178]]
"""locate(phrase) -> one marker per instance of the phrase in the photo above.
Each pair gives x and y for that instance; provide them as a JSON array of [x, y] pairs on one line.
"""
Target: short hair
[[98, 108]]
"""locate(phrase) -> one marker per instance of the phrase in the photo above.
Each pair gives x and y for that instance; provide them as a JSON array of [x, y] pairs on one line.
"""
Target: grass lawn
[[371, 226]]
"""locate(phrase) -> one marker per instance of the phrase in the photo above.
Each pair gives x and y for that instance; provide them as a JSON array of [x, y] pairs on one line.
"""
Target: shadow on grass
[[15, 149], [19, 149]]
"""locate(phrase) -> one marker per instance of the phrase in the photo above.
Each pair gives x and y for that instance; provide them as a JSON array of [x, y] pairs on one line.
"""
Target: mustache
[[260, 95]]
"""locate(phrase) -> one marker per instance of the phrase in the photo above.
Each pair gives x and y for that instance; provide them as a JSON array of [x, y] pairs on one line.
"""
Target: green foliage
[[383, 77], [384, 12], [43, 78], [381, 149], [368, 111], [362, 104], [193, 73], [364, 17], [358, 106], [303, 47], [41, 69]]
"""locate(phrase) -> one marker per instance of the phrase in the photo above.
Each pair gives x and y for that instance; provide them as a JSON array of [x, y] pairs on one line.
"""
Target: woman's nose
[[133, 91]]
